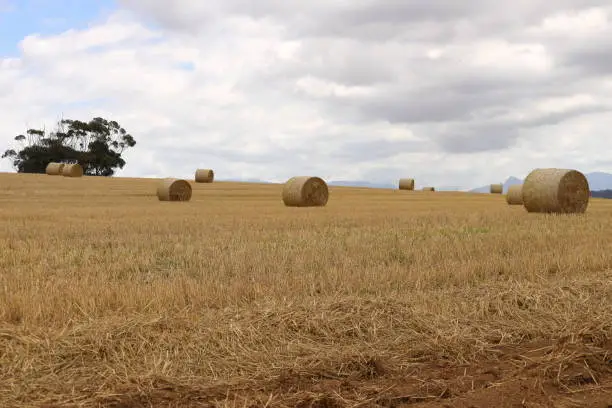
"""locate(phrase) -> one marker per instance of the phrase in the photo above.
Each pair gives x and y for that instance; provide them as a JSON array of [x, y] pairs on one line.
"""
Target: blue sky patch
[[186, 66], [20, 18]]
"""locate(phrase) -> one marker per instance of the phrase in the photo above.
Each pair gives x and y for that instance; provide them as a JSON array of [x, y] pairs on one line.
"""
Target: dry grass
[[377, 299]]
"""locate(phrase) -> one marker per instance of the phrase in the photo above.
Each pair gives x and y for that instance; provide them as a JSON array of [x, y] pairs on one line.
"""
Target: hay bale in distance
[[172, 189], [54, 169], [429, 189], [497, 188], [556, 191], [305, 191], [72, 170], [406, 184], [514, 196], [204, 176]]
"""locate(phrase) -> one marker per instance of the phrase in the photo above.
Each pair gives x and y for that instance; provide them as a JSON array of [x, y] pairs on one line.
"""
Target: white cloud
[[512, 59], [577, 22], [460, 96]]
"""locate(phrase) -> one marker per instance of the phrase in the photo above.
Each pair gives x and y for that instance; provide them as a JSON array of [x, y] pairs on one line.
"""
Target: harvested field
[[379, 299]]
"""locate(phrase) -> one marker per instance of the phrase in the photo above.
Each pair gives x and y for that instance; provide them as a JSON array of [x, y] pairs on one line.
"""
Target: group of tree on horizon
[[96, 145]]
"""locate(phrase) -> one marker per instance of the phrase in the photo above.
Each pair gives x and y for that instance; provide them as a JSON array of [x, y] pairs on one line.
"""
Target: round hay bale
[[54, 169], [406, 184], [204, 176], [305, 191], [72, 170], [172, 189], [429, 189], [497, 188], [514, 196], [556, 191]]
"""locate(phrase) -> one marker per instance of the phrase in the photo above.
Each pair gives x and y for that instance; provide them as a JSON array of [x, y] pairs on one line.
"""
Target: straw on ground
[[109, 298]]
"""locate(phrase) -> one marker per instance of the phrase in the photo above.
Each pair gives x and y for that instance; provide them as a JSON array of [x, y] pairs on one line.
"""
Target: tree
[[96, 145]]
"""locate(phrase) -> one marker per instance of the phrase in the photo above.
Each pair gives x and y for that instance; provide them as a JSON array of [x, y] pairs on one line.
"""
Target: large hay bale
[[429, 189], [556, 191], [406, 184], [514, 196], [54, 169], [204, 176], [72, 170], [172, 189], [305, 191], [497, 188]]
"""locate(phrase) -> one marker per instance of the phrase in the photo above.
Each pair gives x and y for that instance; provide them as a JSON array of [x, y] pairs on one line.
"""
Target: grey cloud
[[588, 55], [377, 149], [593, 60], [180, 15], [477, 138], [382, 44], [446, 102], [356, 19], [353, 12], [275, 154], [558, 117], [418, 107], [344, 62], [498, 134], [377, 31]]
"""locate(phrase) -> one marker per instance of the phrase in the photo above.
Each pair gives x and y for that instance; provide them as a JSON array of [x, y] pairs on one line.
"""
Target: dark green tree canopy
[[96, 145]]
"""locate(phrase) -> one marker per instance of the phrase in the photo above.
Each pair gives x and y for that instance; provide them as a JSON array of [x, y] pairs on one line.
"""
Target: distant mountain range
[[360, 183], [602, 194], [369, 184], [600, 184], [510, 182], [245, 180], [598, 181]]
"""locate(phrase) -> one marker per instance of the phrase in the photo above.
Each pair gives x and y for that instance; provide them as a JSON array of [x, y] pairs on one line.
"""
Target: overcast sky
[[452, 93]]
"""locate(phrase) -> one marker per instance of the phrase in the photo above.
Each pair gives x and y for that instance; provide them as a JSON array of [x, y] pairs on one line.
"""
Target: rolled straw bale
[[497, 188], [172, 189], [54, 169], [305, 191], [406, 184], [429, 189], [556, 191], [72, 170], [514, 196], [204, 176]]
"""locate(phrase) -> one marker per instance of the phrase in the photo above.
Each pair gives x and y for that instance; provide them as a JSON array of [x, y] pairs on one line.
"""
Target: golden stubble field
[[383, 298]]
